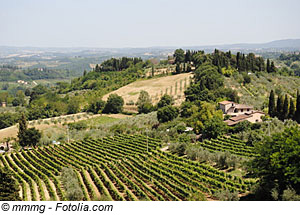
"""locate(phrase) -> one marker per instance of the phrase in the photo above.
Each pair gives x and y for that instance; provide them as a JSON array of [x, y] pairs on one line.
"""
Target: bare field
[[172, 85]]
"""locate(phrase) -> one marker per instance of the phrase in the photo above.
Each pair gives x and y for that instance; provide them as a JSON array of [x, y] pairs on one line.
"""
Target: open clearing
[[172, 85]]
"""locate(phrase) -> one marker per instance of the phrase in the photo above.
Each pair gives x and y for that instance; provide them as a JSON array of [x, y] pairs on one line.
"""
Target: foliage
[[165, 100], [96, 106], [27, 136], [71, 184], [214, 127], [179, 56], [9, 189], [114, 104], [278, 162], [204, 113], [226, 195], [8, 119], [144, 102], [167, 113], [31, 137]]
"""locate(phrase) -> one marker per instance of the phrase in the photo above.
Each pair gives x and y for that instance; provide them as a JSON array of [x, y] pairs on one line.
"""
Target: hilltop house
[[240, 112]]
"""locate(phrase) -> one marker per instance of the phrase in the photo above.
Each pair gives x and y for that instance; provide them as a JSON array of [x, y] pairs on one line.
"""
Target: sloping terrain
[[257, 92], [172, 85]]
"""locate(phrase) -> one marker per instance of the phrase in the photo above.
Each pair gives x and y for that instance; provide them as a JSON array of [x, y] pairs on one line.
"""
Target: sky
[[140, 23]]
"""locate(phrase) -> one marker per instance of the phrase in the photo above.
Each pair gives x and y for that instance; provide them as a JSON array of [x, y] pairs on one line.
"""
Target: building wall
[[256, 117]]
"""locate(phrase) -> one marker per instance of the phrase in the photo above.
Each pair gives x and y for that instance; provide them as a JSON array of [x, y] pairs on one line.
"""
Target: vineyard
[[120, 168], [232, 145]]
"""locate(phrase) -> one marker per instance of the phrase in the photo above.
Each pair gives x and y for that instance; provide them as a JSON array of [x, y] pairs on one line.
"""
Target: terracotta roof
[[240, 117], [225, 102], [229, 122]]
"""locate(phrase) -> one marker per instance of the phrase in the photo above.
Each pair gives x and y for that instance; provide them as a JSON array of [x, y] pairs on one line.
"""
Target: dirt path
[[13, 130], [90, 180], [47, 196], [84, 187], [55, 193], [28, 192], [35, 187]]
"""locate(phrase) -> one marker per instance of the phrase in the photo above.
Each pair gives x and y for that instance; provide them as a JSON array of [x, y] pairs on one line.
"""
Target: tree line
[[284, 108], [241, 62]]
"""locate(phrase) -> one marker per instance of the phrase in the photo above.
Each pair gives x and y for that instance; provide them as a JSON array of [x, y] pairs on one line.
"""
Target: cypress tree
[[292, 109], [22, 129], [297, 113], [279, 112], [272, 108], [285, 110], [272, 67], [268, 65]]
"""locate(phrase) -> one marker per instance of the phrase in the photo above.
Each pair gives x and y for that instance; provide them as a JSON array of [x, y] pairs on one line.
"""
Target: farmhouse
[[234, 109], [240, 112], [253, 117]]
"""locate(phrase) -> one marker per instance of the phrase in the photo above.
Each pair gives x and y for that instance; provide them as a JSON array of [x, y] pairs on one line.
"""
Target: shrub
[[167, 113]]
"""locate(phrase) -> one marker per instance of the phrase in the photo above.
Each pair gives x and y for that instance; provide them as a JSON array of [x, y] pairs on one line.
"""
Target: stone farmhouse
[[240, 112]]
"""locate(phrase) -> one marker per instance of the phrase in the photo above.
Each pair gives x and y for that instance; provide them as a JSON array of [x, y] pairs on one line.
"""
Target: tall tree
[[272, 108], [292, 109], [178, 69], [179, 56], [285, 111], [268, 65], [22, 129], [272, 68], [297, 113], [279, 112]]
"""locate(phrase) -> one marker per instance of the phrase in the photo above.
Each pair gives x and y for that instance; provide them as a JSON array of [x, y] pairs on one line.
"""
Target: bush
[[71, 184], [167, 113], [226, 195], [114, 104]]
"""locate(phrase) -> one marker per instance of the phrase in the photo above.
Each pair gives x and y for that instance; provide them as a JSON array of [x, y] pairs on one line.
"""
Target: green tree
[[22, 129], [31, 137], [114, 104], [179, 56], [292, 109], [144, 102], [204, 113], [268, 65], [178, 68], [96, 106], [165, 100], [167, 113], [278, 161], [272, 108], [247, 79], [9, 188], [214, 127], [73, 106], [279, 107], [297, 113], [285, 111]]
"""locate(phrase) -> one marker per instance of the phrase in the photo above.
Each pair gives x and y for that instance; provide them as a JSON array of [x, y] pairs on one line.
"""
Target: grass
[[257, 92], [154, 87], [99, 120]]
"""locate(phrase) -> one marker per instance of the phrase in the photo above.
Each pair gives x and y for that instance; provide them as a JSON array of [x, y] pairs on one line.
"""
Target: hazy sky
[[140, 23]]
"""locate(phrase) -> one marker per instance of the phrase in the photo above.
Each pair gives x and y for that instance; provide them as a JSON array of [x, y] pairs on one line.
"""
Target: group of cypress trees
[[284, 108]]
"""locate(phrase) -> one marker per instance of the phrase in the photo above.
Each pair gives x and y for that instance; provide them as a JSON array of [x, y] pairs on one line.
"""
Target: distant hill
[[277, 45]]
